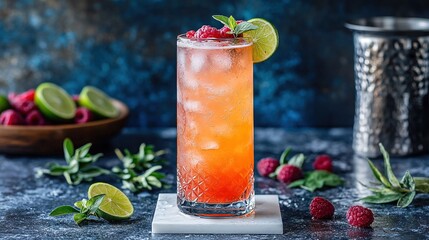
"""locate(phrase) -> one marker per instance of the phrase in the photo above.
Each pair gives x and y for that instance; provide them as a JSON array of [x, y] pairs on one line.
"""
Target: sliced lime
[[54, 102], [265, 39], [4, 103], [115, 205], [98, 102]]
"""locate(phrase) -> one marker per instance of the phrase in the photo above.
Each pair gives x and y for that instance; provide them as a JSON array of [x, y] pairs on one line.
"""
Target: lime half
[[115, 205], [4, 103], [54, 102], [98, 102], [265, 39]]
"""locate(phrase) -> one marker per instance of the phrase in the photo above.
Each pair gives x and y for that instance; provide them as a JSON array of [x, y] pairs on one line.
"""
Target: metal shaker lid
[[390, 25]]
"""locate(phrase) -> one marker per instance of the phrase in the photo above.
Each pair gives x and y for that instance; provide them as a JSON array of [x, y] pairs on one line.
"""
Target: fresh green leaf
[[406, 199], [94, 203], [232, 23], [223, 19], [63, 210], [284, 155], [388, 168], [79, 217], [68, 149], [244, 27], [92, 172], [80, 204], [422, 184], [84, 150], [297, 160], [378, 175], [381, 198], [296, 183], [408, 181], [317, 180]]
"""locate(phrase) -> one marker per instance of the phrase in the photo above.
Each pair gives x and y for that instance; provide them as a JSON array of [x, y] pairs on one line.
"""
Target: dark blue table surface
[[25, 201]]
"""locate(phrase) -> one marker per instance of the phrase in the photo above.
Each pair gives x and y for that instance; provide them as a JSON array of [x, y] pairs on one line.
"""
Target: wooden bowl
[[48, 140]]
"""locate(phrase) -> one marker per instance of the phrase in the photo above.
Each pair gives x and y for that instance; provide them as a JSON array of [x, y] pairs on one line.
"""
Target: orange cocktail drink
[[215, 126]]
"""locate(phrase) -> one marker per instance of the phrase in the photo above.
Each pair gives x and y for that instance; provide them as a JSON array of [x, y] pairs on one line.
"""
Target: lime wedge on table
[[98, 102], [54, 102], [4, 103], [265, 39], [115, 205]]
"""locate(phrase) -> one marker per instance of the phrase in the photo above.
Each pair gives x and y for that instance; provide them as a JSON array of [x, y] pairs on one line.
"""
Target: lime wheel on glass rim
[[265, 39], [115, 205]]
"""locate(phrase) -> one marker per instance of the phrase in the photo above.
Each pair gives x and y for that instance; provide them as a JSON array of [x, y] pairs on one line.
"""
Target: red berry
[[207, 32], [11, 117], [35, 118], [224, 32], [26, 96], [83, 115], [321, 208], [323, 162], [359, 216], [289, 173], [23, 106], [190, 34], [267, 165]]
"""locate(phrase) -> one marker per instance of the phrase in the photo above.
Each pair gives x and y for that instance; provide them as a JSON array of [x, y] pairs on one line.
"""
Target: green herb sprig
[[231, 23], [139, 171], [79, 165], [82, 210], [317, 179], [390, 189], [312, 180]]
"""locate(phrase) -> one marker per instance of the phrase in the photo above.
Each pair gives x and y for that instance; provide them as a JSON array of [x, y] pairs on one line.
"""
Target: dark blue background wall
[[128, 49]]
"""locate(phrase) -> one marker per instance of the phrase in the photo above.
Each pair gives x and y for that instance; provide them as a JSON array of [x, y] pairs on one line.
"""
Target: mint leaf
[[422, 184], [381, 198], [232, 23], [391, 176], [94, 203], [378, 175], [79, 217], [408, 181], [297, 160], [63, 210], [284, 155], [244, 27], [317, 180], [222, 19], [68, 149], [406, 199]]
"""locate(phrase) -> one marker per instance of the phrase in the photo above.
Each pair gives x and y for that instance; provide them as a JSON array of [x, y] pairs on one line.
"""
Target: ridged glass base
[[234, 209]]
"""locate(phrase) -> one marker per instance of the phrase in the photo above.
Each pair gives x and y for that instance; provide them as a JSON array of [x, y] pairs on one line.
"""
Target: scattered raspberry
[[35, 118], [359, 216], [207, 31], [23, 106], [289, 173], [321, 208], [11, 117], [267, 165], [83, 115], [26, 96], [323, 162], [190, 34]]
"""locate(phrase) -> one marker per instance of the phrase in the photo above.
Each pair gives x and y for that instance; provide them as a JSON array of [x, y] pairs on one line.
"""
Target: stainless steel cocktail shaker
[[392, 78]]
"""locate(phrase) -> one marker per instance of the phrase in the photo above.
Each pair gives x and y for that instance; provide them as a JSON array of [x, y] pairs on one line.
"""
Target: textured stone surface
[[128, 48], [26, 201]]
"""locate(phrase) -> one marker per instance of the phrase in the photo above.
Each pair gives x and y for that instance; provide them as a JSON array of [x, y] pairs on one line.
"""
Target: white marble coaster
[[266, 220]]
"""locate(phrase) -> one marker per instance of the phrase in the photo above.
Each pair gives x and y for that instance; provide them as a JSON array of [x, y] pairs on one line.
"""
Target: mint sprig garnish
[[235, 28], [139, 171], [81, 210], [80, 165], [390, 189], [317, 179]]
